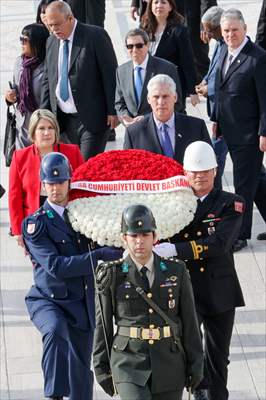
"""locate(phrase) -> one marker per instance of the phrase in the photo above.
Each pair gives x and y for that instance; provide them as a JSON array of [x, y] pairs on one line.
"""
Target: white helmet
[[199, 156]]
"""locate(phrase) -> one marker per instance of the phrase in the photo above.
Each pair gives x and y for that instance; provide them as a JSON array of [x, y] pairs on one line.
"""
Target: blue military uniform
[[61, 302]]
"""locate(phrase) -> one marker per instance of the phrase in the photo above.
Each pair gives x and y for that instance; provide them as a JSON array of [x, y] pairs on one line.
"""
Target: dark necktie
[[145, 280], [64, 93], [138, 83], [66, 218], [166, 141], [230, 60]]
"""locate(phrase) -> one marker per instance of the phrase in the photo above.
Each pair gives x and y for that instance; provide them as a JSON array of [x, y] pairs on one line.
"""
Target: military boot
[[200, 394]]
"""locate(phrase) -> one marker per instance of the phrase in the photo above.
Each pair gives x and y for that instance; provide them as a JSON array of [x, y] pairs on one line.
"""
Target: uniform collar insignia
[[125, 267], [163, 267], [49, 214]]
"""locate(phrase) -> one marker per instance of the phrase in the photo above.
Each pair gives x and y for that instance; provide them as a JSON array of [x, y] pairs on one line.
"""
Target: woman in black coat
[[169, 40]]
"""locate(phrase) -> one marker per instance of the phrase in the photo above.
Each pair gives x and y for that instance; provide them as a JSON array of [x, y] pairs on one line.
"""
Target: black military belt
[[145, 333]]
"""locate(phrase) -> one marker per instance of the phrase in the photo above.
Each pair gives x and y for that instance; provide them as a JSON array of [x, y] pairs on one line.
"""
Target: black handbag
[[10, 136]]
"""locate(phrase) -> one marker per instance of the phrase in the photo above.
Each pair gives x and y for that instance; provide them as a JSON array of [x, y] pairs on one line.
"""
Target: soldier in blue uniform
[[61, 301], [156, 350], [206, 247]]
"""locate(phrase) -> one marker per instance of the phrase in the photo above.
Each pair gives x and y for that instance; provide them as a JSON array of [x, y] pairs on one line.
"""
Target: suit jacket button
[[186, 235], [202, 269], [86, 287], [199, 233], [127, 296], [149, 295], [151, 341], [63, 241], [150, 310], [52, 295], [79, 240]]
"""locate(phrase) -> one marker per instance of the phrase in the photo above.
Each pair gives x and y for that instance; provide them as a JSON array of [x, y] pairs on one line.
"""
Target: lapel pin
[[179, 135], [238, 61]]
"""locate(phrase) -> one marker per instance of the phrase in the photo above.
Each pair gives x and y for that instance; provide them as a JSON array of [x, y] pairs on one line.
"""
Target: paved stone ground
[[20, 344]]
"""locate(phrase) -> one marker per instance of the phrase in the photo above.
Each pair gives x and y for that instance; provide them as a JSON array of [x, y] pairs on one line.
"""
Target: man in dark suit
[[133, 76], [147, 358], [61, 301], [165, 131], [79, 79], [240, 114], [206, 247], [261, 28]]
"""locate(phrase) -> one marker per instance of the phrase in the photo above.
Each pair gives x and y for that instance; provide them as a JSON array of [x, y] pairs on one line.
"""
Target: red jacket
[[24, 181]]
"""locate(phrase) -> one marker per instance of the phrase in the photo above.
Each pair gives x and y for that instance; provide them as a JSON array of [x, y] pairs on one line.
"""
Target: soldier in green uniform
[[156, 350], [206, 247]]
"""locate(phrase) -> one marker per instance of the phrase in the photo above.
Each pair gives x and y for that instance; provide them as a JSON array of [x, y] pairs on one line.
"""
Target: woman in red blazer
[[25, 192]]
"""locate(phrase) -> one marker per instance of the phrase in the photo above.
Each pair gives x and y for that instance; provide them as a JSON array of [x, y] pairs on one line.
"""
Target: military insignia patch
[[171, 303], [31, 228], [239, 207], [211, 230], [163, 267], [124, 267]]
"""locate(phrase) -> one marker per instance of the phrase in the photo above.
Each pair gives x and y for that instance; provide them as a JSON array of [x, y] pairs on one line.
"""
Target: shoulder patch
[[32, 227], [239, 207]]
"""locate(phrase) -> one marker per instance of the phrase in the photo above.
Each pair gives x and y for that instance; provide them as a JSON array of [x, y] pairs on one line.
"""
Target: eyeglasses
[[137, 45], [23, 39]]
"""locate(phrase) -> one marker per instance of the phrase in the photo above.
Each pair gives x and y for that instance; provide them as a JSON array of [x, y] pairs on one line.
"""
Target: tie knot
[[66, 41], [144, 270], [138, 68]]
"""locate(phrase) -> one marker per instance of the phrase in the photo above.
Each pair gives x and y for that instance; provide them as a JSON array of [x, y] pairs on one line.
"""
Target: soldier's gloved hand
[[194, 380], [165, 249], [107, 253], [107, 385]]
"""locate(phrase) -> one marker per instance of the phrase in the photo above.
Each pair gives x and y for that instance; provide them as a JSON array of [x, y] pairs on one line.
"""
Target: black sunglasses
[[23, 39], [137, 45]]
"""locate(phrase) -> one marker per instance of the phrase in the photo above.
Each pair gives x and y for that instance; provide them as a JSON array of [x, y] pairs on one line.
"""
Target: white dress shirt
[[68, 106], [234, 53]]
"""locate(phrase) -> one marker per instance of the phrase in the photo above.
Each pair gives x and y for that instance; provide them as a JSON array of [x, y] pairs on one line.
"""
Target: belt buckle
[[150, 334]]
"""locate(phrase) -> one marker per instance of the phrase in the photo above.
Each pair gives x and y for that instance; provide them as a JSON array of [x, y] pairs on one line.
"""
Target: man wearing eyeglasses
[[133, 76]]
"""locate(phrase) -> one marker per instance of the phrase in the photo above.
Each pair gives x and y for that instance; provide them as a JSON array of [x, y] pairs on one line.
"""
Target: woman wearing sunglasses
[[25, 90], [169, 40]]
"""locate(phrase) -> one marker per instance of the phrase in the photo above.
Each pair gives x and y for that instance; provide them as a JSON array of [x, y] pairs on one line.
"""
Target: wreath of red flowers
[[119, 165]]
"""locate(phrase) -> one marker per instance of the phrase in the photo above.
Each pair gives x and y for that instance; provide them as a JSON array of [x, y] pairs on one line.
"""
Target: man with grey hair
[[133, 76], [79, 79], [212, 30], [240, 114], [165, 131]]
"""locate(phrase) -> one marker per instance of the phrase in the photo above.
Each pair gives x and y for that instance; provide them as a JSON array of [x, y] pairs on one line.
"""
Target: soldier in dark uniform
[[61, 302], [206, 247], [150, 359]]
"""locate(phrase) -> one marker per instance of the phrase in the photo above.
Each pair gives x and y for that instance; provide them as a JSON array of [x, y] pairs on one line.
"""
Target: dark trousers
[[130, 391], [221, 150], [66, 356], [249, 182], [217, 336], [73, 131]]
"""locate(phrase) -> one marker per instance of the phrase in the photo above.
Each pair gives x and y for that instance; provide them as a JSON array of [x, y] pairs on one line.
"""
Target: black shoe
[[111, 136], [239, 245], [261, 236], [200, 394]]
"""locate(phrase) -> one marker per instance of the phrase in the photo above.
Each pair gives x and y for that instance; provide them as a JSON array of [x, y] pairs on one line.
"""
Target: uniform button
[[79, 240], [151, 341], [151, 326], [115, 346], [201, 258], [170, 290], [149, 295], [170, 295], [202, 269], [52, 295], [86, 287], [199, 233], [127, 296], [186, 235], [63, 241], [150, 310]]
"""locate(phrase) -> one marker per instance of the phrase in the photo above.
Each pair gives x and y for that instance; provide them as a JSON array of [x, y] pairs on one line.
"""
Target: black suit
[[125, 99], [92, 80], [240, 110], [206, 247], [88, 11], [175, 47], [261, 29], [143, 135]]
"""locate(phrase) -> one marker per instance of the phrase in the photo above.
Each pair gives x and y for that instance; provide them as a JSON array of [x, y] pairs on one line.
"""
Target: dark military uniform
[[137, 357], [206, 247], [61, 303]]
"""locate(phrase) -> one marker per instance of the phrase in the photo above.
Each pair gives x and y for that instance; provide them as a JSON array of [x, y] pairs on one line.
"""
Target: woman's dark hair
[[149, 22], [41, 8], [37, 34]]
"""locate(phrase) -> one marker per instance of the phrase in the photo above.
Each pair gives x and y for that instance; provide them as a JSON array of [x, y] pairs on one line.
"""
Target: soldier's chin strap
[[102, 317]]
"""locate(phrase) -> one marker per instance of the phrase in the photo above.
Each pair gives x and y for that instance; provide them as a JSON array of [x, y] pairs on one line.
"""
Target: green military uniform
[[206, 247], [144, 360]]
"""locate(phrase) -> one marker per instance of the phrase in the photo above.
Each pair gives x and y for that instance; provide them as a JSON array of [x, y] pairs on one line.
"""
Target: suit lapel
[[76, 46], [154, 140], [130, 82], [179, 137], [235, 65], [53, 60], [148, 76], [204, 206], [58, 221]]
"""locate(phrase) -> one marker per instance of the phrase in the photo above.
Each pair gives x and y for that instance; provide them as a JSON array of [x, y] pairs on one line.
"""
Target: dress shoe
[[239, 245], [261, 236], [200, 394]]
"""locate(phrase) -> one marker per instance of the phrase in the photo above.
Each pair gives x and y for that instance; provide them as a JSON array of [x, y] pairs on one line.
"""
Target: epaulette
[[105, 273]]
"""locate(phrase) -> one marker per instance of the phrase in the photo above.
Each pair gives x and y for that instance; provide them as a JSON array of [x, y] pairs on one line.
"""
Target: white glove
[[165, 249]]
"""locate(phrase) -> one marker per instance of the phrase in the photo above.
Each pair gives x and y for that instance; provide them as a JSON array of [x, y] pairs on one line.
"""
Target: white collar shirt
[[232, 55], [171, 128], [143, 66], [150, 268]]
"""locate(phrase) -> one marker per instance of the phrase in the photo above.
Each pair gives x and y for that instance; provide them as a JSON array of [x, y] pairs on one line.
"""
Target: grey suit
[[143, 135], [125, 98]]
